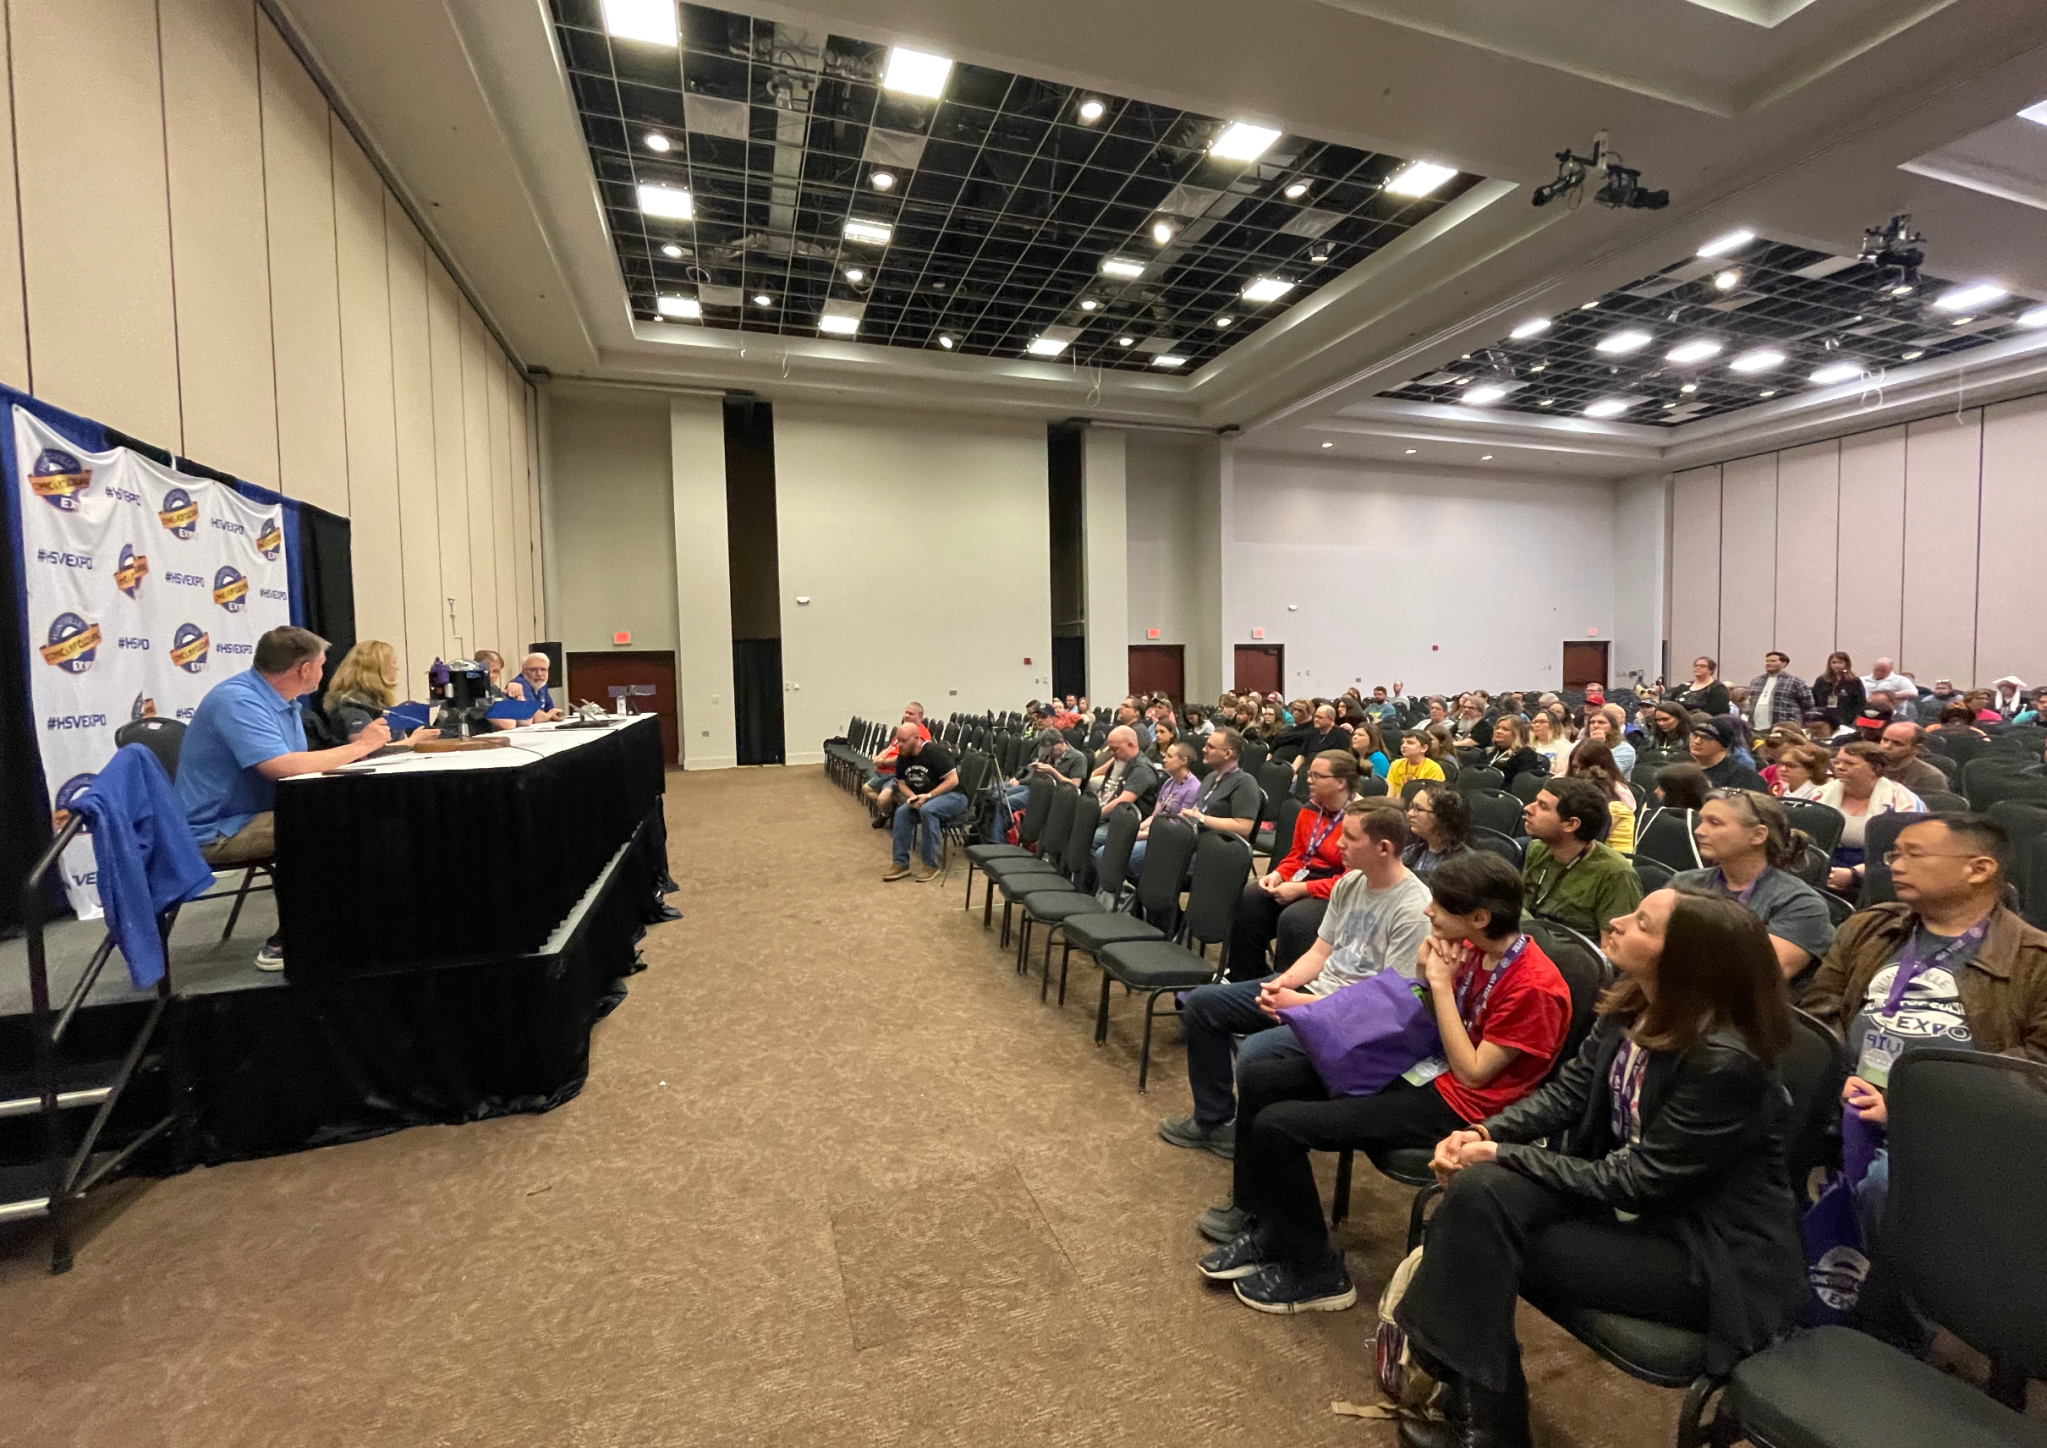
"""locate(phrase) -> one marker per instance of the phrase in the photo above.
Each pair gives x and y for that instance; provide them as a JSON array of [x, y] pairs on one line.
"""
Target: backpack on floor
[[1411, 1390]]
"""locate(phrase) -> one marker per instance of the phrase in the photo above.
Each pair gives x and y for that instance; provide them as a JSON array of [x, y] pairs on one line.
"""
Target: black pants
[[1259, 920], [1284, 1112], [1498, 1235]]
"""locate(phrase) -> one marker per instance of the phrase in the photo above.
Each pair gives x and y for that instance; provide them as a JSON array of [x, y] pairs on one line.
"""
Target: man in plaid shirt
[[1776, 697]]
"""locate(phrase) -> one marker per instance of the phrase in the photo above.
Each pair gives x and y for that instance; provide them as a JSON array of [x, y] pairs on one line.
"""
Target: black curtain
[[757, 700], [1069, 665]]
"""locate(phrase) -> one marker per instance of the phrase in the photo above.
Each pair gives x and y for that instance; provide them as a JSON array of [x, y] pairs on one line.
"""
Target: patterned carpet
[[837, 1178]]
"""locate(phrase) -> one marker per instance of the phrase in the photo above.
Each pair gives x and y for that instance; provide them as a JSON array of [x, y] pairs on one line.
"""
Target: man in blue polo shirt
[[247, 734], [531, 683]]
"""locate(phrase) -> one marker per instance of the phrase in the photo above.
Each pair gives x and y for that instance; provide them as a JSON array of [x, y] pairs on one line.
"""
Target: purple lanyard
[[1325, 825], [1720, 879], [1624, 1085], [1467, 1009], [1910, 965]]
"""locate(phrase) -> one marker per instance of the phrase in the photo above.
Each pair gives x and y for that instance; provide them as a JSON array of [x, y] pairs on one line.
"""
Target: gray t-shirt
[[1231, 796], [1371, 930], [1070, 762], [1789, 908], [1929, 1015], [1140, 776]]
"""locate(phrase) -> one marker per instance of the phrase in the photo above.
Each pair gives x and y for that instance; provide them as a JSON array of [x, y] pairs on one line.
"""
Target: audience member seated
[[1284, 907], [1569, 874], [1948, 963], [1439, 711], [1802, 771], [1712, 742], [1194, 721], [1163, 735], [1128, 778], [1776, 695], [1548, 737], [2008, 695], [247, 734], [878, 789], [1510, 753], [1958, 718], [1608, 725], [1682, 786], [1470, 723], [1667, 739], [1885, 676], [1838, 692], [1706, 694], [1439, 828], [364, 686], [1746, 841], [1859, 790], [1594, 762], [1771, 746], [1502, 1012], [1376, 920], [1904, 760], [494, 674], [1228, 799], [927, 779], [1324, 734], [1668, 1199], [1176, 794], [1383, 709], [1981, 701], [1414, 762], [1932, 701], [1369, 745], [1053, 757]]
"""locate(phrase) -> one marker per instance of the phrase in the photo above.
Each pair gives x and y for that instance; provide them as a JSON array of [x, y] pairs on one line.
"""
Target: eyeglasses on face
[[1891, 857]]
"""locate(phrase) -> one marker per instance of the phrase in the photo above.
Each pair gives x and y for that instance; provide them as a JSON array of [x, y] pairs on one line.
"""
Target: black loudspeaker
[[557, 671]]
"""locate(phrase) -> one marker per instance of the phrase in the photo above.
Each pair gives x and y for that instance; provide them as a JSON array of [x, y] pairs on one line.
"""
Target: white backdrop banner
[[145, 588]]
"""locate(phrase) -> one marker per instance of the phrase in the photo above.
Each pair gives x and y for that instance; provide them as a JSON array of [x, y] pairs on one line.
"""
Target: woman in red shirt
[[1502, 1010]]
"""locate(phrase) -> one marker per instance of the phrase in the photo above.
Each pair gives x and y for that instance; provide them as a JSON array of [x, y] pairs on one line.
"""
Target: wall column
[[1106, 563], [703, 583]]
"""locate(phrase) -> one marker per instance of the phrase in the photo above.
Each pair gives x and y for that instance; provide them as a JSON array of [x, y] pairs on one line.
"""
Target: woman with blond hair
[[364, 686]]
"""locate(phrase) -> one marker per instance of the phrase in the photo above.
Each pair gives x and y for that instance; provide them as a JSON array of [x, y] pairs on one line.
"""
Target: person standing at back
[[1776, 695], [1706, 694]]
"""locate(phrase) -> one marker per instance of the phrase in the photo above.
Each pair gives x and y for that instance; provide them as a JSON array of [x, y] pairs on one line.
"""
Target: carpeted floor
[[837, 1178]]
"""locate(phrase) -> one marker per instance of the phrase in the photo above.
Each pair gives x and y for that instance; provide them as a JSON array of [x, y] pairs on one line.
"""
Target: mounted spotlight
[[1623, 189], [1897, 251]]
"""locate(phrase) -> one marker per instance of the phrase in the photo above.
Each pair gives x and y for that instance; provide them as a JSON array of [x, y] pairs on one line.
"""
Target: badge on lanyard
[[1881, 1047]]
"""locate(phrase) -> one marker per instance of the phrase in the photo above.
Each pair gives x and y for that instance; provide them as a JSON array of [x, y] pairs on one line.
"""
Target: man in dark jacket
[[1711, 743]]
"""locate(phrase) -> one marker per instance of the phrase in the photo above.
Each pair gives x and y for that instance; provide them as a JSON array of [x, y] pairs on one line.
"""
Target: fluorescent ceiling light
[[1242, 142], [2037, 114], [1117, 266], [872, 232], [670, 201], [650, 20], [1046, 346], [1267, 289], [656, 141], [1915, 354], [687, 307], [1733, 241], [840, 326], [1763, 359], [913, 73], [1962, 299], [2038, 316], [1836, 372], [1480, 396], [1091, 111], [1610, 406], [1619, 344], [1418, 178], [1167, 359], [1533, 327], [1688, 352]]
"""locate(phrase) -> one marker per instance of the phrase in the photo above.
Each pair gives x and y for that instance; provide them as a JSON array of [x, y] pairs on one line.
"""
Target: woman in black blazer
[[1510, 753], [1838, 691], [1668, 1199], [1706, 694]]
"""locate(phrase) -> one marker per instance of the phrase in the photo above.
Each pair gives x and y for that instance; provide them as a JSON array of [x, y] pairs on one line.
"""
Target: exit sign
[[622, 637]]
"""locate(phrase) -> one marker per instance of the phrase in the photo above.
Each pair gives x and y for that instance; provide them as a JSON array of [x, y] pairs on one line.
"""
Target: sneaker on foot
[[926, 873], [1324, 1286], [1247, 1253], [271, 956], [897, 872], [1186, 1131], [1223, 1221], [880, 822]]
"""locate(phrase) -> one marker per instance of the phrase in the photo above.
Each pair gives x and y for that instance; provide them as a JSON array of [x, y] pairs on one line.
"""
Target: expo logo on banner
[[67, 796], [189, 647], [58, 478], [131, 570], [73, 643], [270, 542], [179, 513], [230, 590]]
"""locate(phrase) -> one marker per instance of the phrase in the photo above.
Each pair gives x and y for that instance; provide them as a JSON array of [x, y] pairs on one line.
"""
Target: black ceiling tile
[[723, 77], [976, 85], [911, 114], [604, 133]]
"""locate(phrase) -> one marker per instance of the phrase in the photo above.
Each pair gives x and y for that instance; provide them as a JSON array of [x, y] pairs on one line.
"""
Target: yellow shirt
[[1401, 772], [1621, 836]]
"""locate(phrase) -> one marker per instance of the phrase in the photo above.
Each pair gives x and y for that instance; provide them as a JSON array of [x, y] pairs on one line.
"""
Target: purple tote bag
[[1365, 1034]]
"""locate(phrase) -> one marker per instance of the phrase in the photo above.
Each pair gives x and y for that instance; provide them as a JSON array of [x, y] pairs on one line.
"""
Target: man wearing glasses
[[1947, 963], [1284, 907]]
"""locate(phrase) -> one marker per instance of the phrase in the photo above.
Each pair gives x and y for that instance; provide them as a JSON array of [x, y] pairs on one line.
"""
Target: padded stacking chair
[[1493, 842], [1666, 837], [1821, 822], [1527, 785], [1052, 910], [1037, 804], [1878, 835], [1940, 801], [1495, 809], [1480, 778], [1152, 912], [1222, 862], [1963, 1244], [1372, 785], [977, 775], [1048, 861], [1076, 862], [1280, 837], [1653, 874]]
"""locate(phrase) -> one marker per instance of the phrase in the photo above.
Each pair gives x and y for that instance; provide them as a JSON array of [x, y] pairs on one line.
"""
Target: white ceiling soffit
[[1696, 53], [2007, 160]]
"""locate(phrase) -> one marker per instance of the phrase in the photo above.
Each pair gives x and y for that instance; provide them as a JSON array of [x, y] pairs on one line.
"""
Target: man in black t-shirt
[[927, 779], [1711, 742]]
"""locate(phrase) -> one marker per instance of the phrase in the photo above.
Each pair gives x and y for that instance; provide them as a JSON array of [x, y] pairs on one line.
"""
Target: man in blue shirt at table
[[247, 734], [531, 683]]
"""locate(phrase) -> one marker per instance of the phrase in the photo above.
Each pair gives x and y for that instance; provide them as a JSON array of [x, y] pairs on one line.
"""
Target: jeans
[[1261, 919], [936, 815], [1211, 1016], [1869, 1198], [1132, 870]]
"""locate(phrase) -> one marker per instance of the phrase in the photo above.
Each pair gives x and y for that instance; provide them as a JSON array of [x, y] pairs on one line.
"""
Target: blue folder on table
[[406, 717], [513, 709]]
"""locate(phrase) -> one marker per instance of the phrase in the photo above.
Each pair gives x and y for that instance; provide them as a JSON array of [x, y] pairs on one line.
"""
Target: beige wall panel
[[95, 227], [1694, 569], [1871, 585], [305, 310], [14, 368], [482, 527], [1748, 565], [412, 406], [522, 508], [2011, 637], [213, 128], [511, 630], [378, 533], [542, 625], [608, 463], [444, 333], [1808, 516], [1942, 459]]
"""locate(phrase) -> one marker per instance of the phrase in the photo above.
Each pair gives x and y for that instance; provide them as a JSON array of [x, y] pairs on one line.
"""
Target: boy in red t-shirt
[[1502, 1011]]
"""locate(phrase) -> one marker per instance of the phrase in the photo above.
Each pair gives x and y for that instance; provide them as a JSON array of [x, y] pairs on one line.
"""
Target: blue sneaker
[[1285, 1287], [1246, 1253]]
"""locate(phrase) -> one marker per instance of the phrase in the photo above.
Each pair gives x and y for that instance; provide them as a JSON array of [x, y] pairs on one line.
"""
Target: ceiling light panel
[[1418, 178], [1009, 192], [651, 21], [1794, 315]]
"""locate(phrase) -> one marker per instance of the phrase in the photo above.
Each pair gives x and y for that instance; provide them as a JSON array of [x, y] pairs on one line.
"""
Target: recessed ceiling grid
[[1005, 199], [1827, 320]]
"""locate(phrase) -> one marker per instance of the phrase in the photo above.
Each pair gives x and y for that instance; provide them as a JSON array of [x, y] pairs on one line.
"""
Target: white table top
[[524, 746]]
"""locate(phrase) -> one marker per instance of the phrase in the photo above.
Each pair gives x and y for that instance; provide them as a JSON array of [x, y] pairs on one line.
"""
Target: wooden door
[[593, 676], [1584, 663], [1159, 669], [1261, 667]]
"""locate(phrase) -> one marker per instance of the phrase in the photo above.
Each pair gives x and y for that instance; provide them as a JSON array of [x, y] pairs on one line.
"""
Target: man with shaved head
[[928, 797], [1125, 777]]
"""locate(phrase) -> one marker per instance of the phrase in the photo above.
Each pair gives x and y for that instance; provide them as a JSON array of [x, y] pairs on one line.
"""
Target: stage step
[[83, 1083], [24, 1189]]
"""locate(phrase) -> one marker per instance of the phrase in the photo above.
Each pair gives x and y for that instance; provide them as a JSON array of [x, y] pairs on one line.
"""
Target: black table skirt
[[382, 872]]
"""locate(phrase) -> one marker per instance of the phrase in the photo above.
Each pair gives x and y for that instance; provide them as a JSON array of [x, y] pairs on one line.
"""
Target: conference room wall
[[610, 473], [920, 542], [1917, 542], [1372, 573], [201, 256]]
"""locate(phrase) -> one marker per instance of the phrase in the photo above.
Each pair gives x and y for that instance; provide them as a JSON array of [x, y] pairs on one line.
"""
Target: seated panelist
[[531, 683], [364, 687]]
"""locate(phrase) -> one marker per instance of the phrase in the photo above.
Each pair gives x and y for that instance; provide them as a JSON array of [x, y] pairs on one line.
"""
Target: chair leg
[[248, 879], [1065, 959], [970, 886], [1690, 1434], [60, 1233], [1144, 1055], [987, 901], [1339, 1205], [1102, 1014], [1023, 941], [1418, 1214]]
